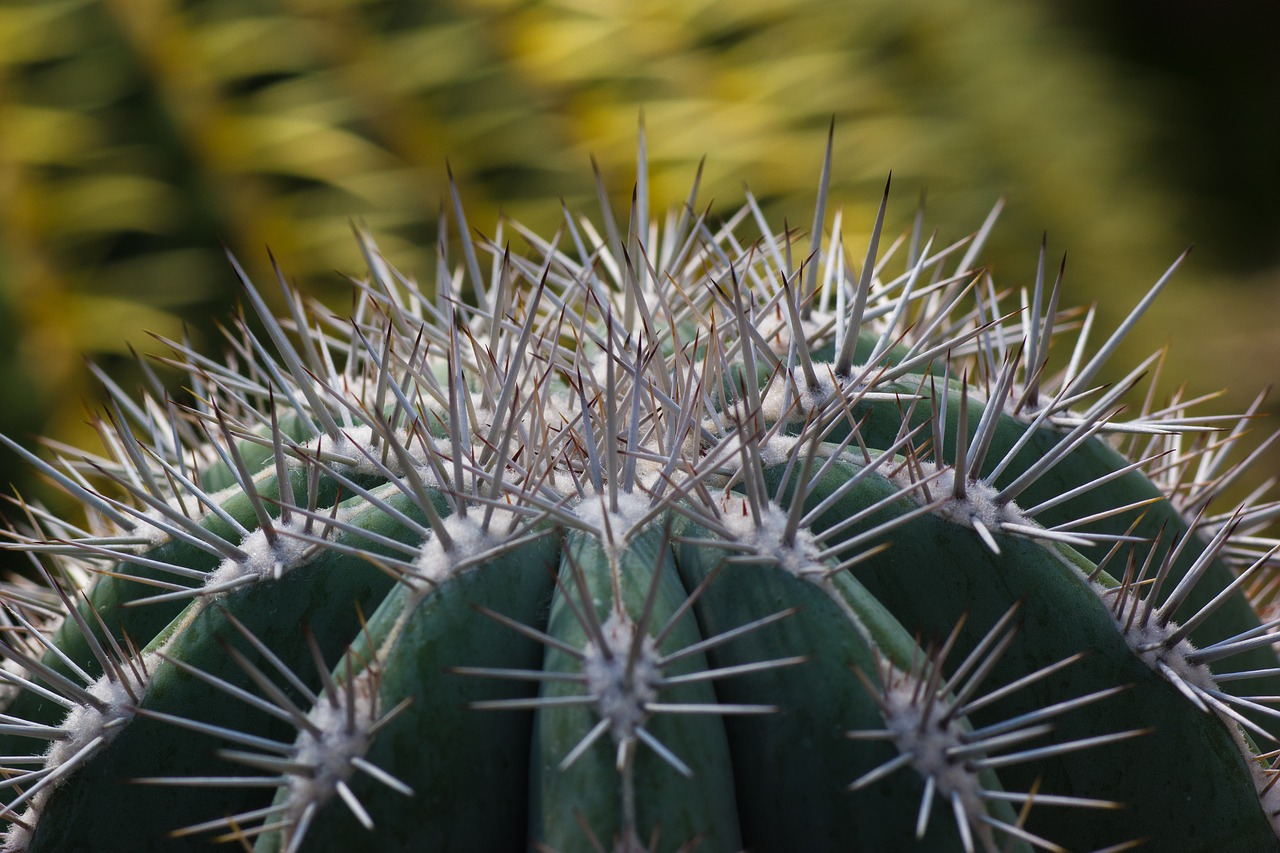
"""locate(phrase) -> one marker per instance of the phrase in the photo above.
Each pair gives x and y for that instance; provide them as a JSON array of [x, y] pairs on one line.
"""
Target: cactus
[[660, 536]]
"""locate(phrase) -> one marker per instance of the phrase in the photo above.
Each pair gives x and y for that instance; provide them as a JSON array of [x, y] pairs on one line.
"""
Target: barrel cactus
[[656, 536]]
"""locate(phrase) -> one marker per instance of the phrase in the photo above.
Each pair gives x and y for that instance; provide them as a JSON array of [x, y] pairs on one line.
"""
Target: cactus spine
[[659, 537]]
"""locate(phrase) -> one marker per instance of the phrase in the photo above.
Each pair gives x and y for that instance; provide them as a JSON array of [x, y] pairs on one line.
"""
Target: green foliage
[[141, 135], [652, 537]]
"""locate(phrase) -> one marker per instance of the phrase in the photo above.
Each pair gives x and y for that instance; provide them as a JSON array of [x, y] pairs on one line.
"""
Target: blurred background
[[137, 137]]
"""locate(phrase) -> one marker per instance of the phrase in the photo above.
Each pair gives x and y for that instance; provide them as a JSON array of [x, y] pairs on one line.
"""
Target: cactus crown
[[655, 537]]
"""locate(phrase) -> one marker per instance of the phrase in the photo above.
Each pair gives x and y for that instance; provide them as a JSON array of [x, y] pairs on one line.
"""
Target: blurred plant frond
[[137, 137]]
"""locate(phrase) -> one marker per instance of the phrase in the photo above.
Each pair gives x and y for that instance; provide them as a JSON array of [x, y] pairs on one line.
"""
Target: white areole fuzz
[[622, 694], [978, 509], [343, 731], [936, 749], [468, 537], [87, 729], [614, 526], [1150, 641], [782, 402], [357, 444], [265, 560], [767, 539]]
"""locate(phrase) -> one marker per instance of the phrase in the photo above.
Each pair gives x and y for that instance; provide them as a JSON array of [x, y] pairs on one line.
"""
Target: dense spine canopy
[[655, 536]]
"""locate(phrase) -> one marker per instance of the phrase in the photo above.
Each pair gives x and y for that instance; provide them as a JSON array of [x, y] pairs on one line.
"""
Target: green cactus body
[[1093, 461], [650, 543]]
